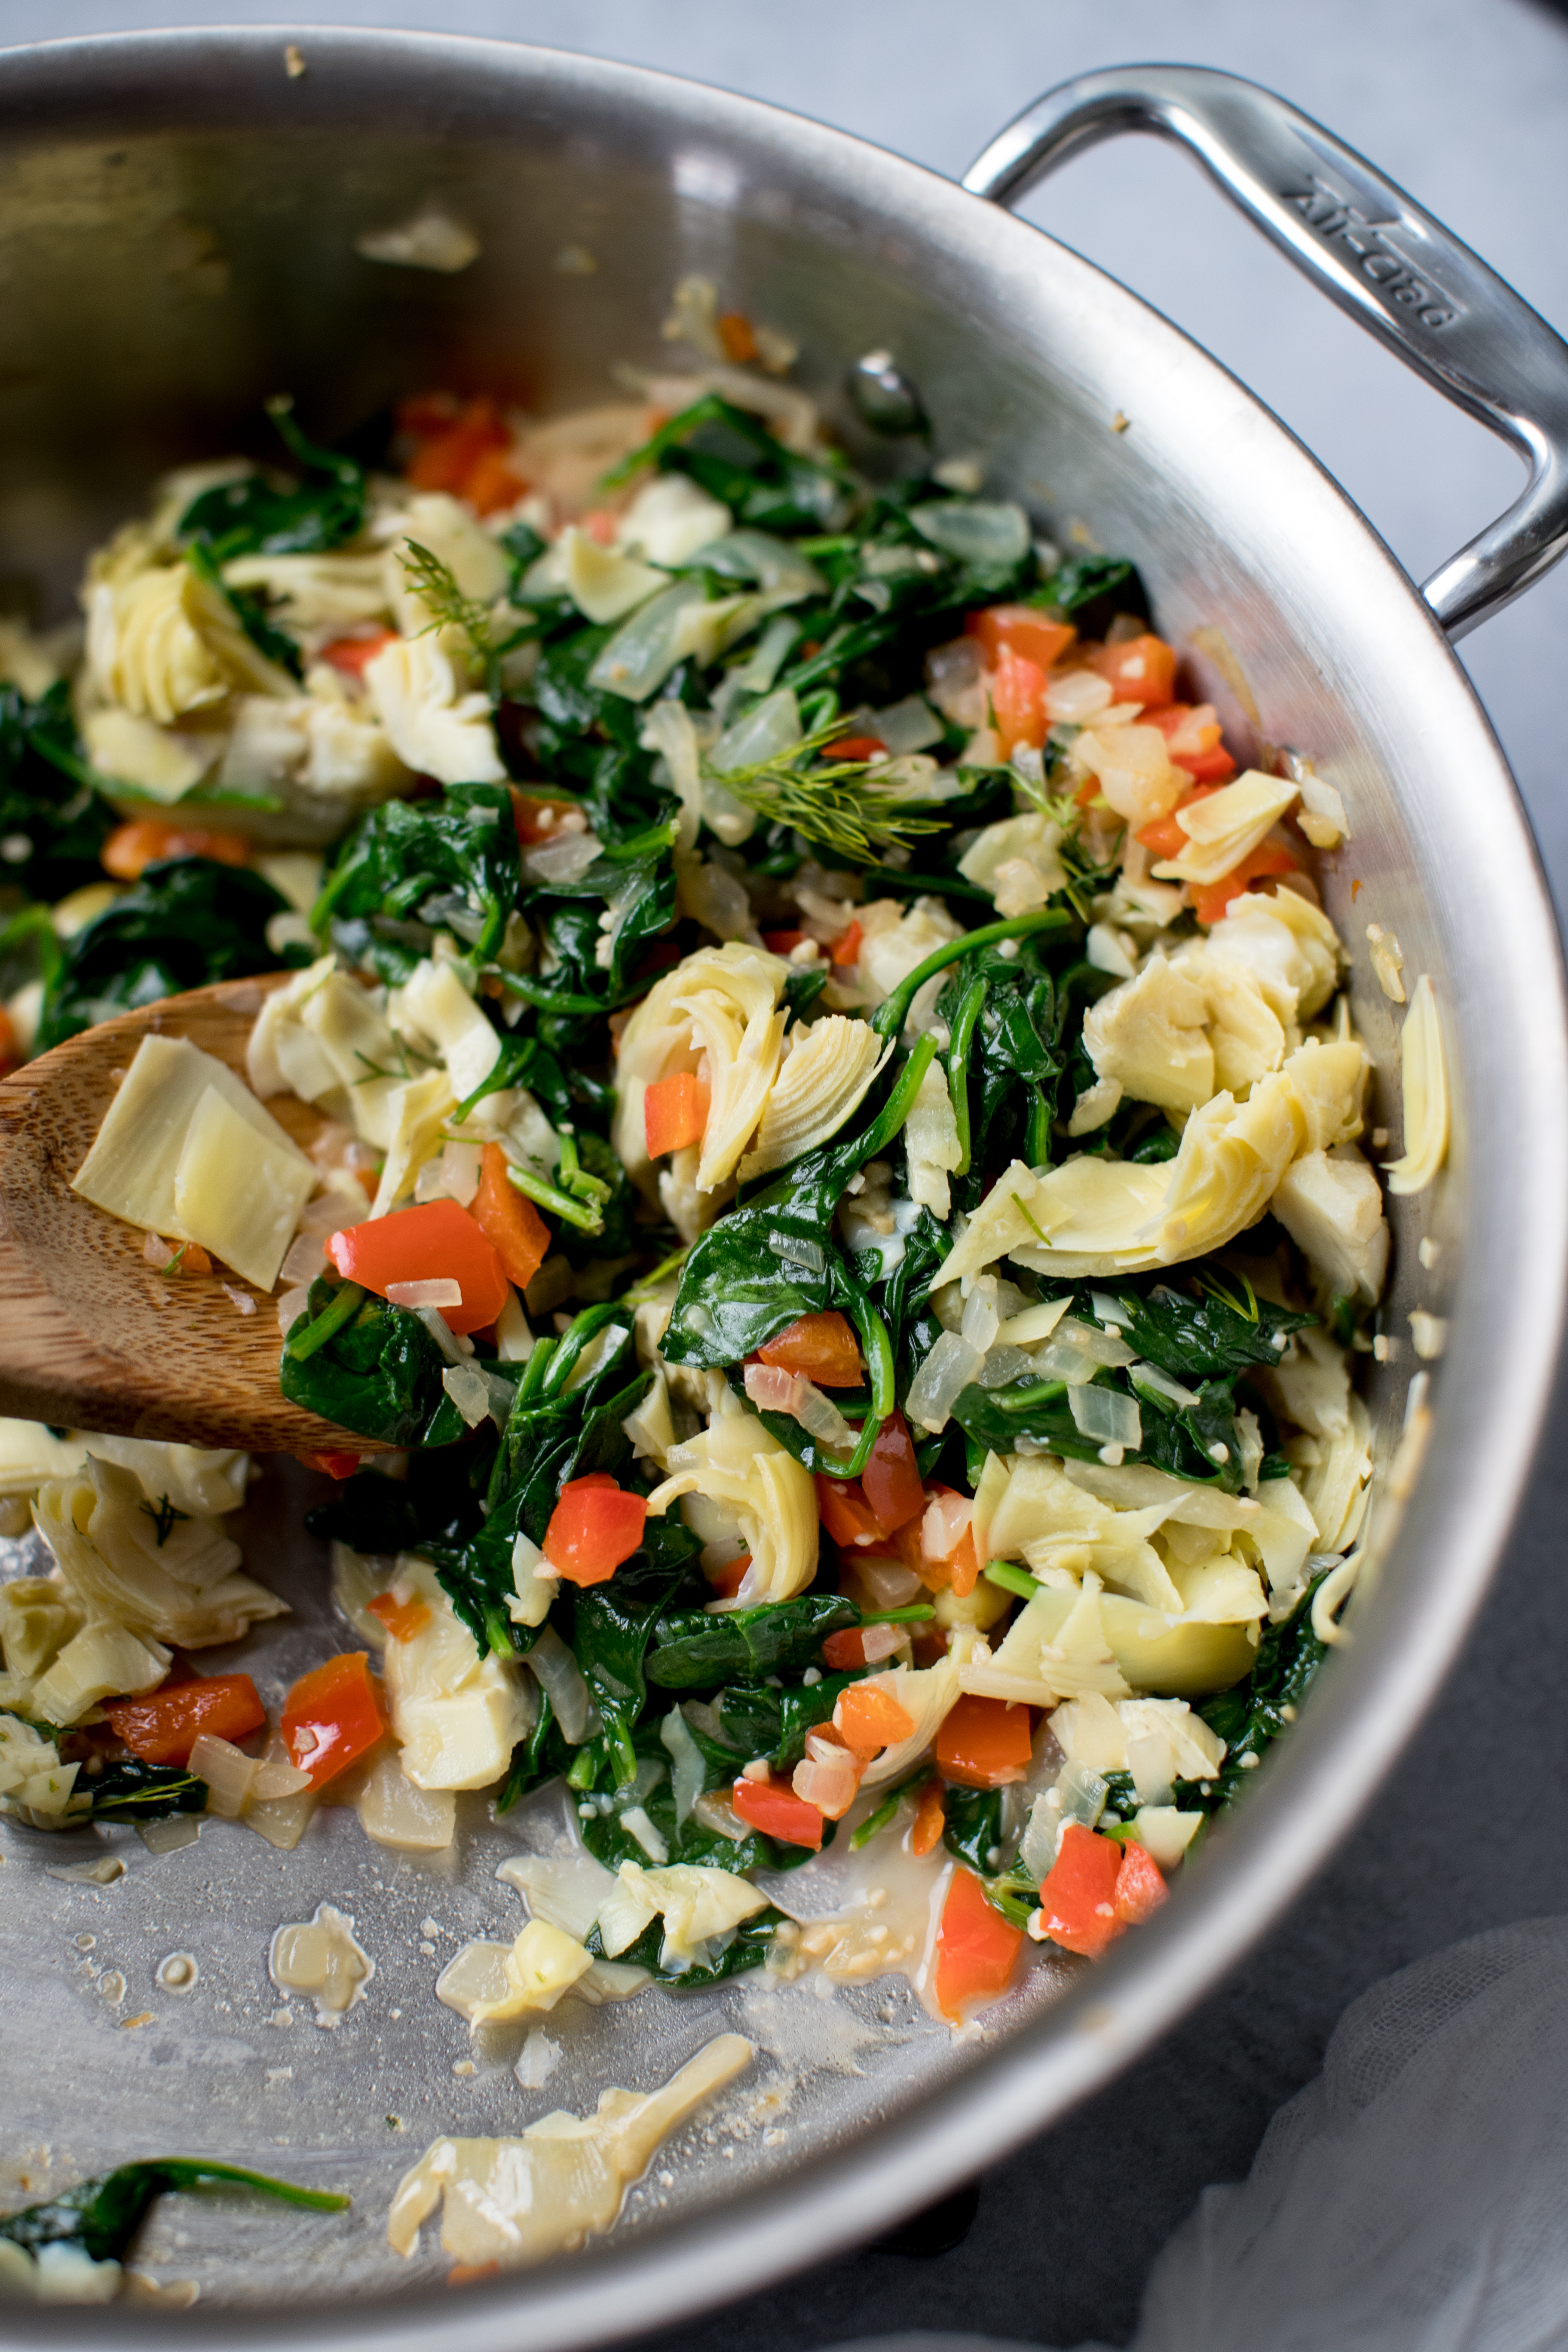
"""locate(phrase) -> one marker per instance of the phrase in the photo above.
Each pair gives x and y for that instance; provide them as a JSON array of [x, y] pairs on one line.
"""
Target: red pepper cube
[[975, 1947], [436, 1241], [595, 1526], [675, 1113], [164, 1727], [772, 1807], [1140, 1887], [891, 1481], [983, 1743], [332, 1717], [1078, 1893], [821, 1348]]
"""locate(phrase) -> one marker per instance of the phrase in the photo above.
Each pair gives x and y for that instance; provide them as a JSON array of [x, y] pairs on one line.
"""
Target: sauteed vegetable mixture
[[840, 1181]]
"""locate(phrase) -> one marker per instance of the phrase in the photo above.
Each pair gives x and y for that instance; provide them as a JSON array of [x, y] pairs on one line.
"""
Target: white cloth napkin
[[1413, 2198]]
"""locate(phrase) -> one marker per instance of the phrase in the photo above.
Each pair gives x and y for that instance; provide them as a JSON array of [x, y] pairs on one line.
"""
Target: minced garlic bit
[[1387, 962]]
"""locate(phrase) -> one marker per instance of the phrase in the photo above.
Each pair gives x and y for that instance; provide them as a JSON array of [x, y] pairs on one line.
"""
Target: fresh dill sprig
[[163, 1516], [1086, 876], [435, 584], [836, 806]]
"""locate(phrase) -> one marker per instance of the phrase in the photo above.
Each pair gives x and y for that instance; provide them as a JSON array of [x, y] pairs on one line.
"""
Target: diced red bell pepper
[[870, 1718], [1140, 1887], [820, 1348], [1195, 748], [975, 1948], [727, 1581], [1018, 701], [1211, 900], [891, 1481], [508, 1220], [436, 1241], [140, 843], [844, 1511], [350, 655], [772, 1807], [739, 337], [674, 1113], [164, 1728], [1023, 629], [402, 1619], [447, 455], [1078, 1893], [529, 811], [855, 747], [595, 1526], [846, 949], [490, 484], [1140, 670], [779, 944], [11, 1054], [983, 1743], [331, 1462], [930, 1820], [1163, 835], [332, 1717]]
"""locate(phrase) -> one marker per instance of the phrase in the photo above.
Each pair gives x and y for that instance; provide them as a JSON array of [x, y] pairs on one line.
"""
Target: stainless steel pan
[[178, 214]]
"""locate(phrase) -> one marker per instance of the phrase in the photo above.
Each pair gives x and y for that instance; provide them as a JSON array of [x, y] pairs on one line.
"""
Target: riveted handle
[[1372, 250]]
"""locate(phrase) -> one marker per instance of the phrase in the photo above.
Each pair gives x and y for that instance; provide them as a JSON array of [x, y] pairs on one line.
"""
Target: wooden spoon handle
[[95, 1336]]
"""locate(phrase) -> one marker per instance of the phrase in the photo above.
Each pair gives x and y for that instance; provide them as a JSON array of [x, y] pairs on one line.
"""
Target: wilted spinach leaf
[[187, 923]]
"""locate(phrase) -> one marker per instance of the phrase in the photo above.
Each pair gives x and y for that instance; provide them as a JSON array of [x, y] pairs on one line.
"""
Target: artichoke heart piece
[[187, 1588], [134, 1165], [824, 1078], [237, 1194], [738, 1463], [435, 727], [1093, 1216], [719, 1006], [1183, 1027]]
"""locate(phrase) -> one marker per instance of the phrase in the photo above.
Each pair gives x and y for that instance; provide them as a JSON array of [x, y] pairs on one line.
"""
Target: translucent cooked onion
[[829, 1778], [1106, 1417], [564, 861], [228, 1772], [561, 1679], [974, 529], [687, 1769], [642, 653], [438, 1291], [1004, 1364], [951, 1365], [797, 1251]]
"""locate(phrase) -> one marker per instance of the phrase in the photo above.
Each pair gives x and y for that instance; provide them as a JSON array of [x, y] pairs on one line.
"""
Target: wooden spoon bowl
[[92, 1336]]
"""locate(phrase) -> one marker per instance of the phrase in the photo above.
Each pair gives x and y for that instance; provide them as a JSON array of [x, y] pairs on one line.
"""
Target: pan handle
[[1372, 250]]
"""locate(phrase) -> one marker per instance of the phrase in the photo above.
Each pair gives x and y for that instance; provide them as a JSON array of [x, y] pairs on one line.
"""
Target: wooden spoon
[[94, 1337]]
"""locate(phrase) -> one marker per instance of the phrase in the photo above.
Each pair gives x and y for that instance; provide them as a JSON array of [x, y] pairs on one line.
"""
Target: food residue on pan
[[517, 2200], [320, 1956]]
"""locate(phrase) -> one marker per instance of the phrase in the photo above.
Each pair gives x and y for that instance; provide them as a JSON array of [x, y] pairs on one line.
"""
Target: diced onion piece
[[951, 1365], [561, 1679], [1106, 1417], [230, 1774], [438, 1293], [688, 1770], [976, 530]]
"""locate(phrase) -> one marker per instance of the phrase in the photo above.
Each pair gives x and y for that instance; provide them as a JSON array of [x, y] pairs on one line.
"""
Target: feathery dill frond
[[836, 806], [435, 584]]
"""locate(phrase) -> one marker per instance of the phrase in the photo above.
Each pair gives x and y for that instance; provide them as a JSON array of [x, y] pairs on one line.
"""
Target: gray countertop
[[1463, 101]]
